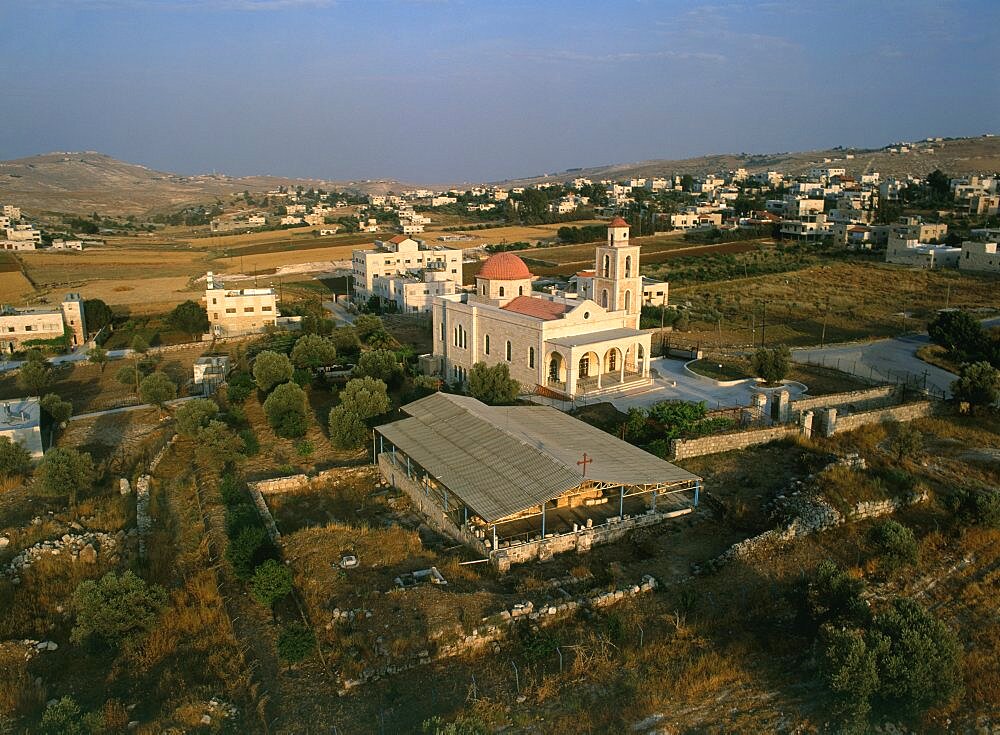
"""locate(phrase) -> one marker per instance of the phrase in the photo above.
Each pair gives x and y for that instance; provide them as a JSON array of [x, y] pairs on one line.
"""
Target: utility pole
[[947, 298], [822, 339], [763, 324]]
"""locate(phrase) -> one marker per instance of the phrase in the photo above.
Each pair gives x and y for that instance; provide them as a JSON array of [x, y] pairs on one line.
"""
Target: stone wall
[[905, 412], [265, 513], [435, 516], [456, 641], [293, 483], [684, 448], [581, 541], [868, 398]]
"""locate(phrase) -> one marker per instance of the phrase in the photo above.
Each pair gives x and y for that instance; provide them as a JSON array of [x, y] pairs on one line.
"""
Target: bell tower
[[617, 283]]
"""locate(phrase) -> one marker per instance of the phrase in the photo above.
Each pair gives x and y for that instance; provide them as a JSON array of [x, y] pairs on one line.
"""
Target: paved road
[[885, 359], [339, 312]]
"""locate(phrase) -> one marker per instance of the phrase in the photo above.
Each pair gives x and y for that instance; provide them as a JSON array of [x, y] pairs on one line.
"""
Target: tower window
[[508, 351], [628, 266], [531, 357], [606, 270], [487, 345], [501, 292]]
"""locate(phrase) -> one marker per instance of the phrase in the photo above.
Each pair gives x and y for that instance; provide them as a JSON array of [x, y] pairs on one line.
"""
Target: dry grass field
[[866, 300]]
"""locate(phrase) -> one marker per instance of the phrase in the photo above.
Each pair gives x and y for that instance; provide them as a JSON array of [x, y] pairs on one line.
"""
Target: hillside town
[[490, 369]]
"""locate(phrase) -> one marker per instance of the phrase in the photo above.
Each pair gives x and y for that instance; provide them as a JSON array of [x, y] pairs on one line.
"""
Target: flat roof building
[[20, 421]]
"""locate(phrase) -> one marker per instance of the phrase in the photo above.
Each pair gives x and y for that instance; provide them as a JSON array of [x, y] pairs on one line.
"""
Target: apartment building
[[414, 292], [21, 327], [401, 255], [914, 229], [979, 256], [234, 312], [695, 220]]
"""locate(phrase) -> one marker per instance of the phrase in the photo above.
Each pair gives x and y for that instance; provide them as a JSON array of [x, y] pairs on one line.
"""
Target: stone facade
[[858, 399], [684, 448]]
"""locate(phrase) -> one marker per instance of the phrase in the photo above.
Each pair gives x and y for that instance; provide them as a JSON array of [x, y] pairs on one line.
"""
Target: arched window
[[508, 351], [442, 332], [501, 291], [455, 338], [520, 290], [628, 299], [607, 266], [628, 266], [483, 289], [487, 345], [531, 357], [612, 360], [604, 298], [585, 366]]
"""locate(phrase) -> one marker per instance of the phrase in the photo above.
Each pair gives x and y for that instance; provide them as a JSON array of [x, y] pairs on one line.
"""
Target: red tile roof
[[399, 238], [504, 267], [538, 308], [586, 274], [618, 222]]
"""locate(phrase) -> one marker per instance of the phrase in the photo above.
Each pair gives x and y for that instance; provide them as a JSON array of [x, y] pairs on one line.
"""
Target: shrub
[[34, 377], [906, 441], [958, 332], [834, 596], [239, 517], [347, 429], [771, 363], [14, 458], [380, 364], [286, 411], [849, 669], [246, 548], [189, 317], [251, 445], [116, 609], [271, 369], [312, 351], [157, 389], [493, 385], [304, 448], [976, 506], [979, 384], [895, 543], [239, 388], [366, 397], [295, 642], [217, 444], [919, 658], [59, 411], [272, 581], [65, 471], [233, 490], [63, 717], [366, 325], [194, 415]]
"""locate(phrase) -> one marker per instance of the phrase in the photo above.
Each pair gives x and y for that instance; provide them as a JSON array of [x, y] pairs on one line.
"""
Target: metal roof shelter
[[502, 460]]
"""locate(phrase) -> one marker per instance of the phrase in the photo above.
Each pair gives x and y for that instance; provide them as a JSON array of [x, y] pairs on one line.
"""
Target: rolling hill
[[88, 181]]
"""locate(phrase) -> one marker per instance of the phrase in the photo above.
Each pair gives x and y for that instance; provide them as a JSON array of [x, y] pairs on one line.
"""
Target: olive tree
[[271, 369], [285, 409]]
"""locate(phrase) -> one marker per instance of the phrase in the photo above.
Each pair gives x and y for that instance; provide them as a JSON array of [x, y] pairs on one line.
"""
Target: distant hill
[[957, 157], [88, 181]]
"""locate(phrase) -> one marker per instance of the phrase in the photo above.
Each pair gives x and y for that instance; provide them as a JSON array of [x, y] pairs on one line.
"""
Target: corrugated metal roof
[[504, 459]]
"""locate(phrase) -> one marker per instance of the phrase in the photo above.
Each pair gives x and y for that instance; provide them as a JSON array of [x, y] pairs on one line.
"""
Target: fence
[[881, 376]]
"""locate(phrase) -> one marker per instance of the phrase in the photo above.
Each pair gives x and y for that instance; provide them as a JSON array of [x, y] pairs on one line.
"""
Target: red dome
[[504, 267], [618, 222]]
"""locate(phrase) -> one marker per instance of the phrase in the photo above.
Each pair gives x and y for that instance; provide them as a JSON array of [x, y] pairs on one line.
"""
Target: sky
[[448, 91]]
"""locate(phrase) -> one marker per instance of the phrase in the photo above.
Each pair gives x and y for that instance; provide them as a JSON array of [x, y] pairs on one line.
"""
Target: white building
[[401, 255], [20, 421], [586, 345], [234, 312], [979, 256]]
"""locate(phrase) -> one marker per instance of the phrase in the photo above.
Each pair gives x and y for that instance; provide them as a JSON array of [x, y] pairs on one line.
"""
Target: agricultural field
[[857, 300]]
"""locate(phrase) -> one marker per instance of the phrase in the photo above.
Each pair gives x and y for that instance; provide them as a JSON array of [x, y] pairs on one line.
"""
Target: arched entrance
[[555, 368], [612, 360]]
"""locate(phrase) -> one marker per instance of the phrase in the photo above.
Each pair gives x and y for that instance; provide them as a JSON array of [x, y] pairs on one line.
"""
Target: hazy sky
[[453, 90]]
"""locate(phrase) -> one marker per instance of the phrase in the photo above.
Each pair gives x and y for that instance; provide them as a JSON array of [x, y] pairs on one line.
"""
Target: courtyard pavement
[[673, 382]]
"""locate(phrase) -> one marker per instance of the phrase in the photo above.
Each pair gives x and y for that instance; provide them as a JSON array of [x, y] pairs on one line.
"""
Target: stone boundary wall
[[497, 627], [143, 521], [879, 395], [580, 541], [265, 514], [905, 412], [684, 448], [292, 483], [820, 517]]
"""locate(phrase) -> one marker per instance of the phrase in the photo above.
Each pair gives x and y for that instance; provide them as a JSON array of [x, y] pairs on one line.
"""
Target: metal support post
[[621, 503], [697, 491], [543, 519]]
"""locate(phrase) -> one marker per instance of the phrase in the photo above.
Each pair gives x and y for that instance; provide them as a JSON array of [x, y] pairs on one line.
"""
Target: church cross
[[585, 461]]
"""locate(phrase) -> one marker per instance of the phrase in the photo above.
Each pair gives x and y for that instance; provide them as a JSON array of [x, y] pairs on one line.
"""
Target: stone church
[[569, 344]]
